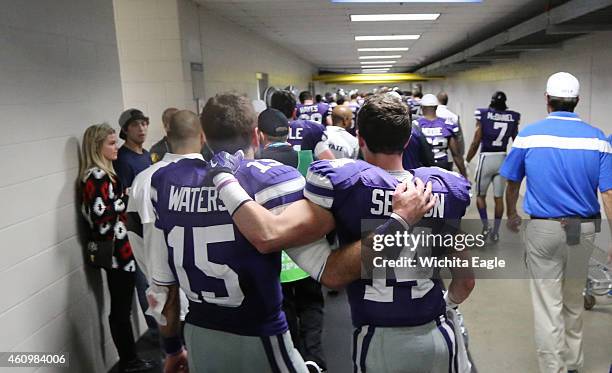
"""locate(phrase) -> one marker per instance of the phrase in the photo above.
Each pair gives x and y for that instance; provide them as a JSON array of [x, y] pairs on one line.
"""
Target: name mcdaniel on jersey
[[219, 270], [497, 128], [354, 190]]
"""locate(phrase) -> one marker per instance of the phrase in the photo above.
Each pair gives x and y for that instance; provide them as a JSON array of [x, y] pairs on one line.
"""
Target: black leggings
[[121, 288], [303, 305]]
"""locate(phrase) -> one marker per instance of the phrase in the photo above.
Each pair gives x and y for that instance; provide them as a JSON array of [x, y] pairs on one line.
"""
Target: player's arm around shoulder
[[276, 216], [299, 223]]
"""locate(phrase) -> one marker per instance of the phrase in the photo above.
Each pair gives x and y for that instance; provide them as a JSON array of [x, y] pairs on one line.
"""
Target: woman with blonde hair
[[103, 205]]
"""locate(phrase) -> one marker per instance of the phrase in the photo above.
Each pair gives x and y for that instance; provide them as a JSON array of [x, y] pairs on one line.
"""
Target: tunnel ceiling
[[322, 33]]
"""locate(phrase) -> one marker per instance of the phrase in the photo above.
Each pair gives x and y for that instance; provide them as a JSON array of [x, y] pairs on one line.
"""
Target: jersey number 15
[[202, 236]]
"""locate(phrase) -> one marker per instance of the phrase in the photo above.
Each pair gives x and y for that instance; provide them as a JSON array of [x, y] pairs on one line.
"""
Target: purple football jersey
[[230, 286], [315, 112], [305, 134], [355, 109], [412, 158], [437, 132], [497, 128], [355, 190]]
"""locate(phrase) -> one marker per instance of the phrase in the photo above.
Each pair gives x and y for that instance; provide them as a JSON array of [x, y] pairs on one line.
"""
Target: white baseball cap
[[429, 100], [563, 85], [395, 95]]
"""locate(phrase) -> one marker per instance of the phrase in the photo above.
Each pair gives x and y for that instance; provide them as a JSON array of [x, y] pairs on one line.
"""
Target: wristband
[[230, 192], [172, 345], [401, 220], [449, 302], [395, 223]]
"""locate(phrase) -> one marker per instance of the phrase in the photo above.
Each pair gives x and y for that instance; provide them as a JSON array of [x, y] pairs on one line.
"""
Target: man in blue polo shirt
[[565, 161]]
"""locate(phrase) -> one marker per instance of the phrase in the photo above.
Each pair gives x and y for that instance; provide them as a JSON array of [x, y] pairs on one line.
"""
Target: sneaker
[[494, 237], [313, 367], [136, 365], [485, 232]]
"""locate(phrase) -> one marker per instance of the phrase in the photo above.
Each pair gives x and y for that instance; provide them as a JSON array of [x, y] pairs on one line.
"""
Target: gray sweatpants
[[213, 351], [428, 348], [487, 173]]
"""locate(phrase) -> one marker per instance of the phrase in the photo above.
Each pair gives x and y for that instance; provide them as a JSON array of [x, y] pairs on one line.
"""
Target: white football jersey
[[147, 247], [342, 143]]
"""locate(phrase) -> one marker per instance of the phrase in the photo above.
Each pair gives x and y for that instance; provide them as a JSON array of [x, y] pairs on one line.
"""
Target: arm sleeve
[[425, 152], [513, 168], [318, 137], [272, 184], [319, 187], [140, 199], [452, 127], [312, 257], [161, 272], [605, 167], [124, 173], [103, 202]]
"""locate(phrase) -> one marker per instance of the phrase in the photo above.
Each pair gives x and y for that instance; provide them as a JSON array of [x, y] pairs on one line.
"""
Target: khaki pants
[[558, 273]]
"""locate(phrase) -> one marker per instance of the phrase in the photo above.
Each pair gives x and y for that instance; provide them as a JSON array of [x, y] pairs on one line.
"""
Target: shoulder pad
[[444, 181], [258, 175]]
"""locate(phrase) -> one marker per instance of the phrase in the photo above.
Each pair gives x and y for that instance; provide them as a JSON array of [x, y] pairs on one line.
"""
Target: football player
[[418, 152], [495, 126], [306, 109], [235, 322], [185, 137], [408, 315], [414, 102], [303, 134], [341, 142], [441, 135], [354, 106]]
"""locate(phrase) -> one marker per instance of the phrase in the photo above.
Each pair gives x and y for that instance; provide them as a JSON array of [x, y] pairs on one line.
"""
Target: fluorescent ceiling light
[[375, 62], [394, 17], [382, 49], [379, 57], [406, 1], [375, 66], [387, 37], [375, 71]]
